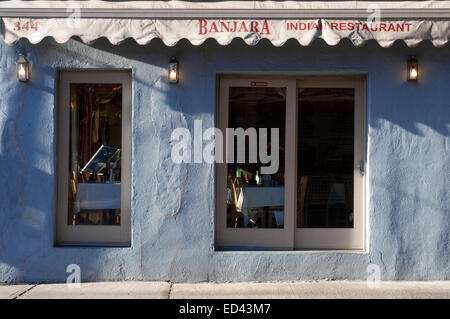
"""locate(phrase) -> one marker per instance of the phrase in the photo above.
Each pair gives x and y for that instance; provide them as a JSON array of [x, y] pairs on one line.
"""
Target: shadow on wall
[[27, 180], [390, 98], [27, 167]]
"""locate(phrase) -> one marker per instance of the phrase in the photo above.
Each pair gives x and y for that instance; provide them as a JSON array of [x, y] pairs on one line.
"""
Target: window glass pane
[[325, 157], [95, 142], [256, 200]]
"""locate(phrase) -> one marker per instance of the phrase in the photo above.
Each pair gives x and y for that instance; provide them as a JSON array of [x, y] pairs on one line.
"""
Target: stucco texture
[[173, 215]]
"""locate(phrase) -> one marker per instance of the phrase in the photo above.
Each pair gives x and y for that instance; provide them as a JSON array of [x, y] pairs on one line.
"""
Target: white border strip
[[417, 13]]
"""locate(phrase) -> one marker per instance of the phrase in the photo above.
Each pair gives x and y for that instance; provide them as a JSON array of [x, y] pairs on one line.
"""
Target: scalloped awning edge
[[277, 31]]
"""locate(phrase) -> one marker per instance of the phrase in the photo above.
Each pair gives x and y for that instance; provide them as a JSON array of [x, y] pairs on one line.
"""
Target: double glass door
[[294, 179]]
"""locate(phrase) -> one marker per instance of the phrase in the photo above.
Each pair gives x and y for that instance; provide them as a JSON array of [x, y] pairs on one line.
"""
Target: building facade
[[153, 218]]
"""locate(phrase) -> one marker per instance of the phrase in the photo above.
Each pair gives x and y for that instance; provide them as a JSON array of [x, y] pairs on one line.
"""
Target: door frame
[[279, 238], [341, 238], [293, 237]]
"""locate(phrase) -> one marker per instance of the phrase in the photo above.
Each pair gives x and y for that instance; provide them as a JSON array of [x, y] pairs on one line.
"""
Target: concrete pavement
[[269, 290], [101, 290], [13, 291], [313, 289]]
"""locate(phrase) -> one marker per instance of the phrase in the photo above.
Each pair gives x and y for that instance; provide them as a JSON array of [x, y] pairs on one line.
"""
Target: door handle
[[361, 168]]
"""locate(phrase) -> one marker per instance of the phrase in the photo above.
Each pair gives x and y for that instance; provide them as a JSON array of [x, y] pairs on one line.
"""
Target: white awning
[[171, 21]]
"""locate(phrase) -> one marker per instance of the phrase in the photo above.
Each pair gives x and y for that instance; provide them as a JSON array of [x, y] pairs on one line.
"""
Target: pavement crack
[[170, 290], [25, 291]]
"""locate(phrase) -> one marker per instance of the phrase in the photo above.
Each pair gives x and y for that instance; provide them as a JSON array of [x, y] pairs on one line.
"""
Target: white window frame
[[279, 238], [114, 235]]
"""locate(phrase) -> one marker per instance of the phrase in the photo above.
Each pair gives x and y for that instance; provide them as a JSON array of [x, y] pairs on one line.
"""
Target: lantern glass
[[413, 69], [23, 70], [173, 71]]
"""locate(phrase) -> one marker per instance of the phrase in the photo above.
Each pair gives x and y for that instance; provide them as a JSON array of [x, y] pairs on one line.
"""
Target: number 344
[[27, 26]]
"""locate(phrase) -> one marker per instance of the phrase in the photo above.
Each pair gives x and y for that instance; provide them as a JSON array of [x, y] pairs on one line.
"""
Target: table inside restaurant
[[97, 196], [259, 197]]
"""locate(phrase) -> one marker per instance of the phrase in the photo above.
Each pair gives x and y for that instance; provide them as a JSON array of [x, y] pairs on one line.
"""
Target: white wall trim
[[416, 13]]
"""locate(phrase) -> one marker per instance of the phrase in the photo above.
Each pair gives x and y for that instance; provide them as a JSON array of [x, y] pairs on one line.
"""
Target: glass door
[[255, 184], [330, 164]]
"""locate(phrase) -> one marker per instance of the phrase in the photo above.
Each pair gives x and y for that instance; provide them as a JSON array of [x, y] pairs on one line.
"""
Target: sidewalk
[[279, 290]]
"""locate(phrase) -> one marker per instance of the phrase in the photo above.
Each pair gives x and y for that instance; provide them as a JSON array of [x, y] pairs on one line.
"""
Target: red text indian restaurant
[[224, 141]]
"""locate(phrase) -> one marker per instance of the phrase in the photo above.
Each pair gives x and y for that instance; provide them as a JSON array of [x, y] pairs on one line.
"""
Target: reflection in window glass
[[325, 157], [255, 200], [95, 142]]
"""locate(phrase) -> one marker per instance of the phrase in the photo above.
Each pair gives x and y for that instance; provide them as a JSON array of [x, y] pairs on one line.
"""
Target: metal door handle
[[361, 168]]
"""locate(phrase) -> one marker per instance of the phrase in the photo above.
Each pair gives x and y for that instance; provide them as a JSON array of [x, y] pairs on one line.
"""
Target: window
[[258, 107], [314, 198], [94, 158]]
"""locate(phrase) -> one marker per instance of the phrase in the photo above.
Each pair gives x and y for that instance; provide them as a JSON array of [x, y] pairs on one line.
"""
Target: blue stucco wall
[[173, 223]]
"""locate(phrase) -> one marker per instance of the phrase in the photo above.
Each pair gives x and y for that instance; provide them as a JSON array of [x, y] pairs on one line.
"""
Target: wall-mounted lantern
[[23, 69], [173, 71], [413, 69]]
